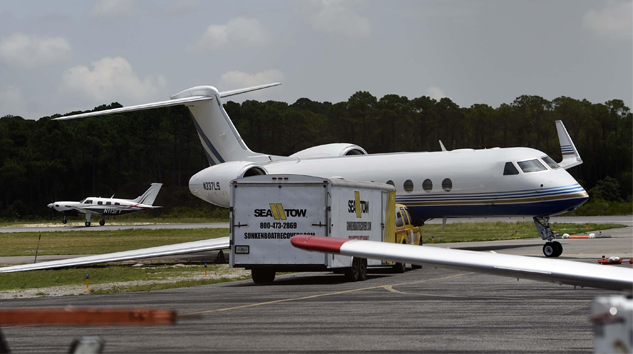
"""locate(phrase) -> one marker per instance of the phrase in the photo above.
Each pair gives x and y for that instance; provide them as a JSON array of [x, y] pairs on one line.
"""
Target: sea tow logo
[[278, 212], [358, 206]]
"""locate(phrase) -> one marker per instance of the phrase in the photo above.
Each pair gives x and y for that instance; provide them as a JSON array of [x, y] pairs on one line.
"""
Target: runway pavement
[[218, 225], [429, 310], [619, 219]]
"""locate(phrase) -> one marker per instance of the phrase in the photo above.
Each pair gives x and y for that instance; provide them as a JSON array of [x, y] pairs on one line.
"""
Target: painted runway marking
[[320, 295]]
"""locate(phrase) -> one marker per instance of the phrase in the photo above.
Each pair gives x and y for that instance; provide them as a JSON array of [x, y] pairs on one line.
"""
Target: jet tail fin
[[571, 157], [149, 196]]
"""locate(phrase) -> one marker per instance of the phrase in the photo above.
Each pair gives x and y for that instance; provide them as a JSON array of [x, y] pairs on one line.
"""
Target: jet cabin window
[[108, 203], [550, 162], [117, 203], [510, 169], [100, 202], [531, 166]]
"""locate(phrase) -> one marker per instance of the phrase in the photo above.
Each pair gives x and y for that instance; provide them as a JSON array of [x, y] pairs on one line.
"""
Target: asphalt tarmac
[[428, 310]]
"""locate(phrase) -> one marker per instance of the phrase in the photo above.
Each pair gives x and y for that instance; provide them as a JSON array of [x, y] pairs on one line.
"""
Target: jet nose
[[51, 205]]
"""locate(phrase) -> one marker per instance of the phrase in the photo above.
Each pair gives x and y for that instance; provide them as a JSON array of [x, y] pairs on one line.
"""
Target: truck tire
[[262, 276], [362, 274], [353, 273], [399, 267], [415, 266]]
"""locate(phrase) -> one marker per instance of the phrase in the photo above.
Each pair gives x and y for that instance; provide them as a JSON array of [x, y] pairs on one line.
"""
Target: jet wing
[[540, 269], [180, 248]]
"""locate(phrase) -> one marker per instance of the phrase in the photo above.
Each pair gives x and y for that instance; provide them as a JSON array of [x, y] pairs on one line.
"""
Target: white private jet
[[445, 184], [458, 183], [108, 206]]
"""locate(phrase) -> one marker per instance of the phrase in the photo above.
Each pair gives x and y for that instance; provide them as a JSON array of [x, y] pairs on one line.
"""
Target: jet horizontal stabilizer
[[248, 89], [140, 107]]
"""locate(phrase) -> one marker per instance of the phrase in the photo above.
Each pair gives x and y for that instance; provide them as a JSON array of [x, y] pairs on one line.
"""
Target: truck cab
[[406, 232]]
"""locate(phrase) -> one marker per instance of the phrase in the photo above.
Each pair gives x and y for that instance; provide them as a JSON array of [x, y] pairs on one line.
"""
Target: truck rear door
[[266, 216]]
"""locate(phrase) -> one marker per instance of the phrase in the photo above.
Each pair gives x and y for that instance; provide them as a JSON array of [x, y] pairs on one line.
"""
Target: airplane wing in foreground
[[540, 269], [169, 250]]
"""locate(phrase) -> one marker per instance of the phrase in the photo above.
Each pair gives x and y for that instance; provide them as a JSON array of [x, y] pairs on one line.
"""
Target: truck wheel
[[353, 273], [421, 242], [415, 266], [262, 276], [362, 275], [399, 267]]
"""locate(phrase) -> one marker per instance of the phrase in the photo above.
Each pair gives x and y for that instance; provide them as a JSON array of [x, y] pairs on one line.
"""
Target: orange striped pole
[[205, 269], [87, 282]]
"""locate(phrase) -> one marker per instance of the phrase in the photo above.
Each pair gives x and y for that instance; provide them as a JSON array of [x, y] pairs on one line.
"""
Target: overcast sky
[[60, 56]]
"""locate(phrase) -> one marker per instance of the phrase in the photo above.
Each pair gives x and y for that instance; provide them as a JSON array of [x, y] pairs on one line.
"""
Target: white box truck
[[266, 211]]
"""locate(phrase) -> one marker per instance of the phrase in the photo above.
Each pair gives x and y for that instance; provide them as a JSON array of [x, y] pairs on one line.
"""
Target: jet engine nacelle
[[330, 150], [212, 184]]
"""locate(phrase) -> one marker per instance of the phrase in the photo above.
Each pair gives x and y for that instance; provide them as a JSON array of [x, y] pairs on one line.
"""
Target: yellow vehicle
[[405, 231]]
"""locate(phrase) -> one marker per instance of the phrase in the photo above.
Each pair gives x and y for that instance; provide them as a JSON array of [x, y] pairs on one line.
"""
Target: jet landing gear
[[64, 221], [550, 248], [88, 215], [102, 221]]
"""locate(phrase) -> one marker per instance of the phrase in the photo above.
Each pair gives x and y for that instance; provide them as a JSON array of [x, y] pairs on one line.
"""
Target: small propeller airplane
[[108, 206]]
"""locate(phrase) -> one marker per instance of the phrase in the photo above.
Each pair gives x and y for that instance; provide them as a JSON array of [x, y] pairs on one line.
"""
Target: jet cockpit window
[[88, 201], [531, 166], [398, 219], [550, 162], [510, 169]]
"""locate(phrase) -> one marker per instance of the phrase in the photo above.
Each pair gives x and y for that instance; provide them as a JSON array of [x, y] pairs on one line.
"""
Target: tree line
[[45, 160]]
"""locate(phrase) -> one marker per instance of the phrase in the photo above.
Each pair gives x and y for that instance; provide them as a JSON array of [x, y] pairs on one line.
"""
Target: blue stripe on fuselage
[[532, 193], [544, 208]]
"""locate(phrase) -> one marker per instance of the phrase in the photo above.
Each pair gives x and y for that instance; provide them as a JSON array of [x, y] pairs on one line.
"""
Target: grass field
[[492, 231], [123, 278], [114, 278], [98, 242]]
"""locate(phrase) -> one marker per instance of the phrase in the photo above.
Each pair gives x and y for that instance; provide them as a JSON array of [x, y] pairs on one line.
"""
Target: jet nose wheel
[[87, 223], [552, 249], [64, 221], [101, 222]]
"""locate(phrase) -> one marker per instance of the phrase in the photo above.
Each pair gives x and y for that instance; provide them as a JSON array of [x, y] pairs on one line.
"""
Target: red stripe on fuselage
[[318, 243]]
